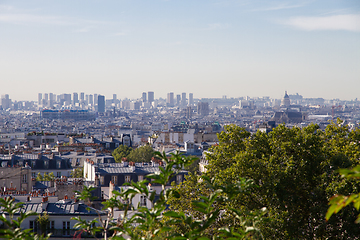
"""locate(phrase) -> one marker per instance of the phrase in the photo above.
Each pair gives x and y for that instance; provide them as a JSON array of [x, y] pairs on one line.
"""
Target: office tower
[[151, 97], [101, 103], [39, 98], [75, 98], [203, 108], [183, 99], [143, 97], [5, 101], [95, 99], [86, 99], [191, 99], [51, 100], [67, 98], [178, 99], [91, 99], [170, 99], [82, 97], [114, 100]]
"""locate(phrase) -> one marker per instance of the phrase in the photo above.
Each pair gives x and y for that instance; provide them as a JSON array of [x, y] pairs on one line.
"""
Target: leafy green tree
[[12, 226], [339, 201], [43, 221], [77, 173], [46, 177], [155, 223], [39, 177], [52, 176], [121, 152], [194, 166], [141, 154], [294, 169]]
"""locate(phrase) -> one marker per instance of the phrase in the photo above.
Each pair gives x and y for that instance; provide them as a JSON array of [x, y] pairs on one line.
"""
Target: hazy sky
[[209, 47]]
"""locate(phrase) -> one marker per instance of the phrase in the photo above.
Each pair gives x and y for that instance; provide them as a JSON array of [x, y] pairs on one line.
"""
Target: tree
[[43, 221], [39, 177], [12, 226], [339, 201], [121, 152], [141, 154], [155, 223], [77, 173], [294, 169]]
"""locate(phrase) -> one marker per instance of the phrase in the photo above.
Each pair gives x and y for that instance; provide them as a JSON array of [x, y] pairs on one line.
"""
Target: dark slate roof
[[118, 168], [67, 208]]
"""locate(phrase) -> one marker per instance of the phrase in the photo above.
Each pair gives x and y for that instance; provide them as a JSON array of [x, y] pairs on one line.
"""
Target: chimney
[[44, 203], [76, 204]]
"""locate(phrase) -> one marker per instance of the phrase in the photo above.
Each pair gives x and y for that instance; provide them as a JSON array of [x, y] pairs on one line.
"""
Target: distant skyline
[[211, 48]]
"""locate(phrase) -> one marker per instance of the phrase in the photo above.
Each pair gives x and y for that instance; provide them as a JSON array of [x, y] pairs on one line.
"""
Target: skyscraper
[[151, 97], [82, 97], [39, 98], [51, 100], [95, 99], [203, 108], [178, 99], [170, 99], [101, 103], [191, 99], [114, 100], [91, 99], [75, 98], [143, 97], [183, 99]]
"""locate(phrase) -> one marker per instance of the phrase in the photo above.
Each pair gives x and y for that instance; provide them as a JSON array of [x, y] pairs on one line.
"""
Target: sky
[[211, 48]]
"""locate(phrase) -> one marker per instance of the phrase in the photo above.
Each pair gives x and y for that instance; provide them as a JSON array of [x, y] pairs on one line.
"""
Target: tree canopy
[[295, 171], [141, 154], [121, 152]]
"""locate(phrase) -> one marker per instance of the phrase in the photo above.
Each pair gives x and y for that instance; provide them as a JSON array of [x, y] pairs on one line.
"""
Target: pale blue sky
[[209, 47]]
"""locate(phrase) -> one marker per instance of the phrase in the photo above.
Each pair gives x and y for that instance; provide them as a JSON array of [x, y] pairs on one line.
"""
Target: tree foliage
[[141, 154], [156, 223], [294, 169], [121, 152], [12, 226], [77, 173]]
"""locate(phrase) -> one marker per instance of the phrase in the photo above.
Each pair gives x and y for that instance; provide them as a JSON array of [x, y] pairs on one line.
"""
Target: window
[[58, 164], [33, 226], [46, 164], [178, 179], [114, 180], [142, 201], [24, 178], [58, 174], [102, 180], [116, 145], [127, 178], [66, 228], [33, 174], [107, 145], [52, 226], [78, 162], [140, 178]]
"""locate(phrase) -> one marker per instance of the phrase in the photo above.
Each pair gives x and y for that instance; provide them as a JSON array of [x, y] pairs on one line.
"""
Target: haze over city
[[211, 48]]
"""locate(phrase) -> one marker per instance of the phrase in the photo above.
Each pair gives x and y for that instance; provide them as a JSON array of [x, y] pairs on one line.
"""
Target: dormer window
[[178, 179], [46, 164], [58, 164], [127, 178]]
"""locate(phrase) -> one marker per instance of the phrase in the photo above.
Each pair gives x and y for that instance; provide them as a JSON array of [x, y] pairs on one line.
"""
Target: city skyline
[[210, 48]]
